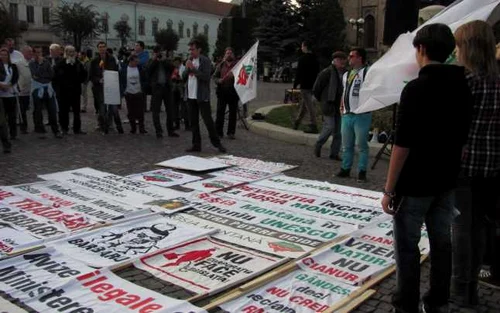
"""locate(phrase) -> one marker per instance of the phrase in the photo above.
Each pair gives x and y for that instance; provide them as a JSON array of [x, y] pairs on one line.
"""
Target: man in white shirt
[[15, 55], [24, 84]]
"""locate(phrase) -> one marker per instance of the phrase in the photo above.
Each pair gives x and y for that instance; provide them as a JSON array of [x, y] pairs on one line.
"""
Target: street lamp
[[357, 25]]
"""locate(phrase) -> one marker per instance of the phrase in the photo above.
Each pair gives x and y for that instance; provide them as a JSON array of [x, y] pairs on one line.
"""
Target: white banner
[[254, 164], [39, 271], [164, 178], [102, 291], [12, 239], [206, 265], [116, 187], [323, 189], [127, 241], [243, 174], [298, 292], [193, 163], [245, 75], [213, 184], [111, 88], [7, 307]]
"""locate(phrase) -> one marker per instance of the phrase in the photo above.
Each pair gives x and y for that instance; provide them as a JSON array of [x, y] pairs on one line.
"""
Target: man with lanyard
[[355, 127]]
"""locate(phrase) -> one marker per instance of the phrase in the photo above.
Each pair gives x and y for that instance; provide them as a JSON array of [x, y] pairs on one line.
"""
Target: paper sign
[[255, 164], [206, 265], [193, 163], [111, 88], [12, 238], [243, 174], [213, 184], [164, 178]]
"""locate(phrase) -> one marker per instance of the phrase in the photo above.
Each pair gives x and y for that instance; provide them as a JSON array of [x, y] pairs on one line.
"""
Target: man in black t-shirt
[[423, 171]]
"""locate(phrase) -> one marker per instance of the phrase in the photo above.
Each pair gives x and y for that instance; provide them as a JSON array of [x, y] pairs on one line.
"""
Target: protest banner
[[323, 189], [103, 291], [255, 164], [213, 184], [115, 187], [193, 163], [300, 291], [13, 239], [245, 74], [242, 174], [164, 178], [111, 88], [33, 274], [128, 240], [331, 209], [8, 307], [206, 265]]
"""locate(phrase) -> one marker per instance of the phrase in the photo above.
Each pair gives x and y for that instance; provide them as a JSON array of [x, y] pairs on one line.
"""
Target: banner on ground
[[286, 230], [323, 189], [254, 164], [245, 75], [242, 174], [126, 241], [319, 207], [8, 307], [193, 163], [34, 274], [164, 178], [12, 239], [213, 184], [299, 292], [116, 187], [103, 291], [206, 265]]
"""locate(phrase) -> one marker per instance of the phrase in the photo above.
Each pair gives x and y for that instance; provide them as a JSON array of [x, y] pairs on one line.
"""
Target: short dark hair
[[339, 55], [438, 41], [8, 39], [307, 44], [101, 43], [195, 42], [141, 43], [133, 57], [229, 48], [361, 52]]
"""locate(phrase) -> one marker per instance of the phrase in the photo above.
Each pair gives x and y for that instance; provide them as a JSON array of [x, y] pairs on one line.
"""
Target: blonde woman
[[479, 185]]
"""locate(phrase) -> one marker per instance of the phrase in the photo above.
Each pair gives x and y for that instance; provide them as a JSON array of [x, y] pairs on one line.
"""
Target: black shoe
[[58, 135], [13, 138], [7, 147], [40, 131], [362, 177], [343, 173], [221, 148], [133, 131], [120, 131], [174, 135], [296, 125], [159, 135], [24, 131], [335, 158], [317, 151], [143, 131], [80, 132], [65, 132], [193, 149], [231, 137], [313, 129], [83, 111]]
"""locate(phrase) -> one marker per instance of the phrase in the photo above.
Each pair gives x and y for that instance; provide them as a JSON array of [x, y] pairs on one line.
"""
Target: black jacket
[[307, 70], [328, 91], [70, 77], [123, 78], [15, 73], [95, 71], [154, 68]]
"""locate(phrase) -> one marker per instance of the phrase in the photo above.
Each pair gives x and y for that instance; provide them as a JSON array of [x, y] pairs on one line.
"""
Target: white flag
[[245, 75], [388, 76]]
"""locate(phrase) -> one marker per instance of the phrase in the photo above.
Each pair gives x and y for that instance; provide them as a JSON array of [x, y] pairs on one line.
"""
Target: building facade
[[187, 17], [35, 14]]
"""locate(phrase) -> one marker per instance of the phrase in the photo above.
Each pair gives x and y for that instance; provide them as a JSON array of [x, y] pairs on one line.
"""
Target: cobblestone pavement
[[126, 154]]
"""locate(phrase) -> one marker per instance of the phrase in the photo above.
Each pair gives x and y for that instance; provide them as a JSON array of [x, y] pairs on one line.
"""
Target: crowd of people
[[58, 85]]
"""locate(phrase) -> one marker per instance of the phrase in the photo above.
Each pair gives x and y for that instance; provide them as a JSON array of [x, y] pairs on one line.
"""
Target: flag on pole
[[245, 73]]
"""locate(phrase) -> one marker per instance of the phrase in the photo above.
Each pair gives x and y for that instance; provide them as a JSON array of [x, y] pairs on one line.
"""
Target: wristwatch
[[389, 194]]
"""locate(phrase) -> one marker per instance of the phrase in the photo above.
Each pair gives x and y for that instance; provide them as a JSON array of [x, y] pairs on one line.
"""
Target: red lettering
[[252, 309]]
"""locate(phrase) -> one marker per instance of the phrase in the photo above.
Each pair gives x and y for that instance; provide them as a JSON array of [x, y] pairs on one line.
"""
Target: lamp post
[[357, 25]]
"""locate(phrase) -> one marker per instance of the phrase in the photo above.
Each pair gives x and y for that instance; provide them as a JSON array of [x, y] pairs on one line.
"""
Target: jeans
[[437, 213], [355, 128], [162, 94], [226, 99], [307, 105], [24, 105], [112, 113], [331, 127], [196, 108], [10, 106], [70, 99], [51, 106], [476, 199]]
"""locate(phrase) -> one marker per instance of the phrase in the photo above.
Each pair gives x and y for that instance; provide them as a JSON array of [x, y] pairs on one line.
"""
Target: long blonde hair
[[477, 45]]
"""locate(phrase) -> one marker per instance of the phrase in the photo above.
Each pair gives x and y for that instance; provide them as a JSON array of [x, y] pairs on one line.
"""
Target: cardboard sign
[[164, 178], [254, 164], [115, 187], [111, 88], [323, 189], [206, 265], [213, 184], [103, 291], [12, 239], [128, 240], [299, 292], [193, 163], [242, 174]]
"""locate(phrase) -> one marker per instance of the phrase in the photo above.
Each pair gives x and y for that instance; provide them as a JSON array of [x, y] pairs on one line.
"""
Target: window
[[170, 24], [30, 14], [195, 29], [205, 30], [154, 24], [188, 32], [181, 29], [369, 32], [46, 16], [142, 26], [14, 11]]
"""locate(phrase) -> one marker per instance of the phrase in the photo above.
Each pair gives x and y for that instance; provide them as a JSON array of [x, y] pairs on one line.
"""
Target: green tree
[[9, 26], [76, 21], [123, 30], [203, 40], [167, 39]]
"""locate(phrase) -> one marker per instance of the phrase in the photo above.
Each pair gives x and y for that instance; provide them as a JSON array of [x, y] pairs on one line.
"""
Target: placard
[[213, 184], [111, 88], [12, 239], [164, 178], [299, 292], [127, 241], [115, 187], [206, 265], [255, 164], [242, 174], [193, 163]]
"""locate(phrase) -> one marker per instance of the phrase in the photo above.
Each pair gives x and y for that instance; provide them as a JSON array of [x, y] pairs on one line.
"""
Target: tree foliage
[[167, 39], [9, 26], [123, 30], [203, 40], [76, 21]]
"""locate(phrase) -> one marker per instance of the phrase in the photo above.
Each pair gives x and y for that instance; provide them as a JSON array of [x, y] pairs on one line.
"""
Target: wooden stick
[[358, 301], [24, 251]]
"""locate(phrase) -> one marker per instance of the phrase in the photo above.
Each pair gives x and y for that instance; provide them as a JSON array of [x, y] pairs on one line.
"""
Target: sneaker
[[194, 149], [362, 177], [490, 282], [317, 151], [343, 173], [442, 309]]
